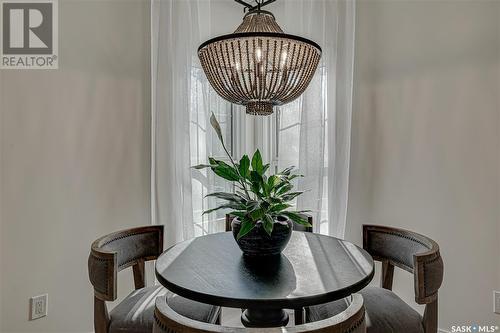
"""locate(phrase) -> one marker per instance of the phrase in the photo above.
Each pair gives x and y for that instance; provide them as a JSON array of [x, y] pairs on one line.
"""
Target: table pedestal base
[[264, 318]]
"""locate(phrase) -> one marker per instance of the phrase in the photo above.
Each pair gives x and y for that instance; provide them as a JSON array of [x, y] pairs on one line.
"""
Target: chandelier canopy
[[259, 65]]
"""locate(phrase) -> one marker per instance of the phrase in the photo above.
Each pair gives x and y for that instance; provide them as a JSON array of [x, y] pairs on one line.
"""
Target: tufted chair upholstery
[[132, 248]]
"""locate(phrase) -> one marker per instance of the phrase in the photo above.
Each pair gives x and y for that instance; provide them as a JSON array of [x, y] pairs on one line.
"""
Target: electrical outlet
[[38, 306], [496, 301]]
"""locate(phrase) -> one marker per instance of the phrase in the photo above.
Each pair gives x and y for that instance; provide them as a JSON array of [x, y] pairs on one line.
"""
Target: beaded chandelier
[[259, 65]]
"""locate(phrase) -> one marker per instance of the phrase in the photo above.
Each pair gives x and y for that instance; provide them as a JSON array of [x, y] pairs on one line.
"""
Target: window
[[278, 137]]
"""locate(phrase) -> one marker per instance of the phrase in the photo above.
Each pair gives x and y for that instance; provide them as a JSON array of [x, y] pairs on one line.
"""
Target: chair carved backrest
[[351, 320], [113, 253], [411, 252], [296, 226]]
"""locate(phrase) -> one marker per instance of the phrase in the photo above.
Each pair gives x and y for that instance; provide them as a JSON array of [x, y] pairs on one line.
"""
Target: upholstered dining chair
[[134, 314], [385, 311], [299, 313], [351, 320]]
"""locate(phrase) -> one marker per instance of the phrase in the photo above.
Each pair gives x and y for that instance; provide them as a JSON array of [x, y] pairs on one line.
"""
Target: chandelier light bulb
[[258, 54], [283, 59]]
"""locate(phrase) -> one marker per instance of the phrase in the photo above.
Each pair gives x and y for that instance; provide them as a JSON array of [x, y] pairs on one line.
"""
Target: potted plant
[[260, 204]]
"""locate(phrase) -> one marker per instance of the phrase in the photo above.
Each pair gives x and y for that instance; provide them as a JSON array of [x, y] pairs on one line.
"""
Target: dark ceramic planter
[[257, 243]]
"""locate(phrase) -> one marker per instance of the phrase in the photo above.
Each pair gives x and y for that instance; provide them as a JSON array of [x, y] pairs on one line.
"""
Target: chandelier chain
[[258, 6]]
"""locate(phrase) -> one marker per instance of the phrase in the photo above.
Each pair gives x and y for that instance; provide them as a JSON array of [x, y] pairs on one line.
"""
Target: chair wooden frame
[[413, 253], [113, 253], [352, 320]]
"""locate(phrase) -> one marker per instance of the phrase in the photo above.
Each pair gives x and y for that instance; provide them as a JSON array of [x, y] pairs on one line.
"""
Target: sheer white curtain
[[340, 91], [182, 102], [174, 38], [313, 132]]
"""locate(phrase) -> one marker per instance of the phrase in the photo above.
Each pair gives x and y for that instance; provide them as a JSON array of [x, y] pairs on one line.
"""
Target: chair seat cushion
[[385, 312], [135, 313]]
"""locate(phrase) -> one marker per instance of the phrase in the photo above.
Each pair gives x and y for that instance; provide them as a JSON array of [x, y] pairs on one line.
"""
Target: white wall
[[74, 161], [425, 141]]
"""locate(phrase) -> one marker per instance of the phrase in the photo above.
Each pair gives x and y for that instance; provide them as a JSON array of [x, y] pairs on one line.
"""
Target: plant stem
[[237, 170]]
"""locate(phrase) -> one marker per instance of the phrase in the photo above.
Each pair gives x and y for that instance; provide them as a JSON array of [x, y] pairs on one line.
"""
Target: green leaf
[[268, 223], [290, 196], [201, 166], [264, 205], [264, 169], [246, 226], [255, 177], [287, 171], [279, 207], [252, 205], [256, 214], [265, 188], [257, 162], [280, 185], [241, 194], [244, 166], [292, 177], [257, 182], [226, 206], [255, 188], [227, 196], [284, 189], [226, 171], [297, 218], [240, 214], [274, 200], [273, 181], [216, 127]]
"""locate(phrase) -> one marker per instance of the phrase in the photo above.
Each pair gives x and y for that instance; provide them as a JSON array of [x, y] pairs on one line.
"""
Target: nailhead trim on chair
[[397, 234], [125, 264], [124, 236], [357, 324], [393, 259], [402, 236], [163, 326], [436, 258], [106, 268]]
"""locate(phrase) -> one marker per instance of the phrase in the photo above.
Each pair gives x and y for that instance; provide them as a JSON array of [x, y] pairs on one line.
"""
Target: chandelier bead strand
[[259, 66]]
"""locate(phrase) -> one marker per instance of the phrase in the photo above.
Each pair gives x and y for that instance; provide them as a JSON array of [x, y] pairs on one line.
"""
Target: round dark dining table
[[313, 269]]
